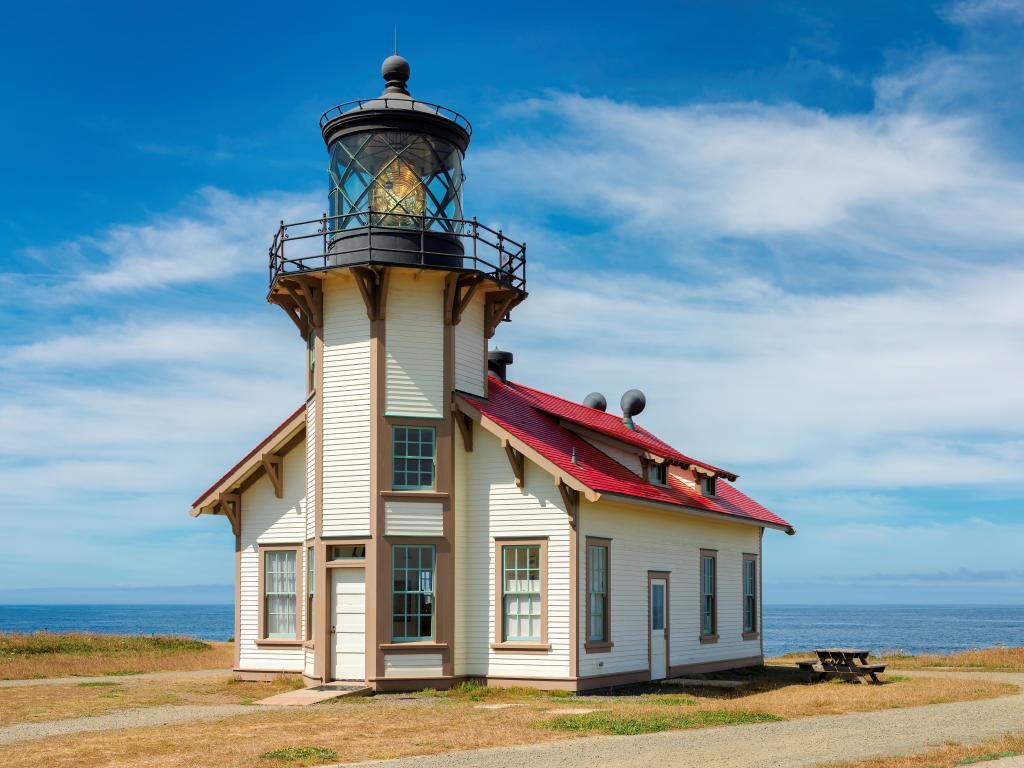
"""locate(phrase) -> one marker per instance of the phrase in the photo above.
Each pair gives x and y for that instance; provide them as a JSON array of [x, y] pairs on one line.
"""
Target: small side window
[[709, 485], [657, 473]]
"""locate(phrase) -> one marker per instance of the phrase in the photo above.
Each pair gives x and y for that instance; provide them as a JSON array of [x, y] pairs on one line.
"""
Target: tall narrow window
[[412, 593], [749, 596], [412, 458], [598, 606], [309, 593], [280, 576], [657, 473], [709, 597], [522, 593], [708, 485]]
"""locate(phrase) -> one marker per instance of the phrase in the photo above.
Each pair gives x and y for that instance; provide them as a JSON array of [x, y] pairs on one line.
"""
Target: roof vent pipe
[[633, 402], [498, 362], [596, 400]]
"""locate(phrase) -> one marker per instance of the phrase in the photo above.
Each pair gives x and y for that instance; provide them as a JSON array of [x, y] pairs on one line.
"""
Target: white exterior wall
[[415, 346], [267, 519], [413, 518], [471, 349], [308, 664], [412, 665], [311, 467], [346, 404], [644, 540], [629, 459], [488, 505]]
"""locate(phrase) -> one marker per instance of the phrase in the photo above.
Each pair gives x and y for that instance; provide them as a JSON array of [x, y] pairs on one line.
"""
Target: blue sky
[[796, 227]]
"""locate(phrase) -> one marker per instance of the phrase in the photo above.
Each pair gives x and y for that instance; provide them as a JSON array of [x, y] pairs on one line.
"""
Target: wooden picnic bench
[[848, 663]]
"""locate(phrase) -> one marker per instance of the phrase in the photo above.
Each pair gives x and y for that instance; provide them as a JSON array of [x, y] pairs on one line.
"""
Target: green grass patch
[[988, 756], [623, 724], [301, 755], [97, 685], [15, 644], [896, 678], [668, 700], [471, 690]]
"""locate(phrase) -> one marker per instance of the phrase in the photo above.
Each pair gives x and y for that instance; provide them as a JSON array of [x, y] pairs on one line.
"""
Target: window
[[412, 593], [749, 596], [412, 458], [598, 604], [346, 552], [279, 578], [657, 606], [522, 592], [309, 593], [708, 602], [657, 473], [708, 485]]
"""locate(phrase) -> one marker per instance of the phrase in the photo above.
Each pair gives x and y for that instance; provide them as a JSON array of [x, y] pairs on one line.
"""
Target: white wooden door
[[348, 627], [659, 633]]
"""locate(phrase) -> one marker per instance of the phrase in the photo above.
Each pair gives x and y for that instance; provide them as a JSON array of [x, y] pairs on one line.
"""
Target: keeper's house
[[421, 519]]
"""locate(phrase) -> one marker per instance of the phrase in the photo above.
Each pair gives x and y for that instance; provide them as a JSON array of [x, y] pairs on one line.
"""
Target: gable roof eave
[[724, 517]]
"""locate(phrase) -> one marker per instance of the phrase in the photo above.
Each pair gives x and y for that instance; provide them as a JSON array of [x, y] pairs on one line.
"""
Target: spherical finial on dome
[[395, 70]]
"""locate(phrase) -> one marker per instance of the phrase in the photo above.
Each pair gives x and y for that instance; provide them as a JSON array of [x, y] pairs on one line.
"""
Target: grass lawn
[[948, 756], [58, 702], [52, 654], [432, 722], [1000, 658]]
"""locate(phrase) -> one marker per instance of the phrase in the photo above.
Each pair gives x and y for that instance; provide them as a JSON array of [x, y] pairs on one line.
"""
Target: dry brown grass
[[391, 726], [999, 658], [47, 654], [57, 702], [948, 756]]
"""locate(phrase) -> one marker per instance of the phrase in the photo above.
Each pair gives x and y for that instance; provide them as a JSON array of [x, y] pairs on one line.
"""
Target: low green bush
[[301, 755]]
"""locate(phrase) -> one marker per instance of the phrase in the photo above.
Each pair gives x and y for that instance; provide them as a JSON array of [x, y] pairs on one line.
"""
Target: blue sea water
[[913, 629]]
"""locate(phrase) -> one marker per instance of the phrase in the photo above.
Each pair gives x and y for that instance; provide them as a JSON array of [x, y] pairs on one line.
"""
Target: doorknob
[[332, 629]]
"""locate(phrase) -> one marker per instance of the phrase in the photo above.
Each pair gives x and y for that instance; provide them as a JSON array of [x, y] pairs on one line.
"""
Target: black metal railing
[[305, 246], [386, 102]]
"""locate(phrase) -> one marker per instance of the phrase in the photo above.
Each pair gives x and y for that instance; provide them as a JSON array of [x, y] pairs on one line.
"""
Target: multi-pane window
[[708, 485], [708, 596], [521, 592], [279, 595], [413, 458], [749, 595], [657, 473], [309, 593], [597, 593], [412, 593]]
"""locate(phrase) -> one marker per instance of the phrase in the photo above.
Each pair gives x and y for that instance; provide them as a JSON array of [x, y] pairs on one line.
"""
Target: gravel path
[[108, 678], [168, 714], [808, 741]]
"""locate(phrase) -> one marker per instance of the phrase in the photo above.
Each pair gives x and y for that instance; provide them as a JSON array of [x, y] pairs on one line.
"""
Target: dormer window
[[708, 485], [657, 473]]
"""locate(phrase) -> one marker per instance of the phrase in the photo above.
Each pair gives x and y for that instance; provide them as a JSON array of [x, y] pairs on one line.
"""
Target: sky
[[797, 227]]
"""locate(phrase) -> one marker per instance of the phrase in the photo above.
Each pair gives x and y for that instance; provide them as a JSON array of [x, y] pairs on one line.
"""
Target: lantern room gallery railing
[[306, 246], [403, 102]]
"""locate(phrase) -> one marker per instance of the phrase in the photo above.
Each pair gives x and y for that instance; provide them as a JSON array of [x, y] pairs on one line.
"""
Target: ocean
[[912, 629]]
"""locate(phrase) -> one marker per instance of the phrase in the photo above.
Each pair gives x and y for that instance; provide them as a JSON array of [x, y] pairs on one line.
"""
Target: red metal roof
[[532, 416]]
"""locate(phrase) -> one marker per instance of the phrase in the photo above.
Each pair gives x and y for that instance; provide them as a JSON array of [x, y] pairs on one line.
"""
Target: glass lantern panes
[[395, 179], [521, 595]]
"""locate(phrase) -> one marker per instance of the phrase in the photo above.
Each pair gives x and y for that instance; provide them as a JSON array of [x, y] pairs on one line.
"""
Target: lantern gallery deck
[[847, 663]]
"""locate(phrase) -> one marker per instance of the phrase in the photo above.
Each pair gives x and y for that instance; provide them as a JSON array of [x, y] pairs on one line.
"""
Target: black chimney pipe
[[498, 362]]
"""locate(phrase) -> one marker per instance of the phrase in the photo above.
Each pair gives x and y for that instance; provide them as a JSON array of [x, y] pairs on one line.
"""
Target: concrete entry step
[[306, 696]]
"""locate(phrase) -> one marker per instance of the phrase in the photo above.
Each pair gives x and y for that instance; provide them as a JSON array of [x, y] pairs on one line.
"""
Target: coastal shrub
[[301, 755], [633, 724], [15, 644]]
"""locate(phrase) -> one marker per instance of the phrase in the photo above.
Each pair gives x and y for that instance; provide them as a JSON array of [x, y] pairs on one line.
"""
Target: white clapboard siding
[[628, 457], [267, 519], [346, 418], [413, 518], [489, 505], [415, 347], [644, 540], [412, 665], [311, 468], [471, 349], [308, 665]]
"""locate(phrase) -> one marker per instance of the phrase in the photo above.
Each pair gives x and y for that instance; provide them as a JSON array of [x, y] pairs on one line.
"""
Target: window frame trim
[[713, 637], [519, 646], [261, 633], [598, 646], [755, 634], [414, 423]]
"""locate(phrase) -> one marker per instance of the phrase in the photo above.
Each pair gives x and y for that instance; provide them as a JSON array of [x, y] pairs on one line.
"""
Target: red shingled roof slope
[[531, 416]]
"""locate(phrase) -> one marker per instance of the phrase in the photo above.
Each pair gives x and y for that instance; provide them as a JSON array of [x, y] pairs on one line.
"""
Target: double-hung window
[[412, 458], [412, 592], [708, 596], [750, 596], [522, 592], [309, 593], [279, 581], [598, 593]]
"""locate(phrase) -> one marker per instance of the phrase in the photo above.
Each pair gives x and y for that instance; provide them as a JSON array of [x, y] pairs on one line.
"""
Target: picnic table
[[848, 663]]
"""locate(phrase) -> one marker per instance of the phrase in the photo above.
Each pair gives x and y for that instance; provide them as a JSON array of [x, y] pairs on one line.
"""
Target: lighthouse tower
[[395, 293]]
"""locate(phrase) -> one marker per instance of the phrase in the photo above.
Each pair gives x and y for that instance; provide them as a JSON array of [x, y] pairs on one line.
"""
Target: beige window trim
[[599, 646], [713, 637], [747, 557], [519, 646], [262, 639]]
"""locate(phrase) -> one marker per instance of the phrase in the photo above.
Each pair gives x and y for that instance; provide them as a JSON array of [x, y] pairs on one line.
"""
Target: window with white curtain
[[279, 595], [521, 592]]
